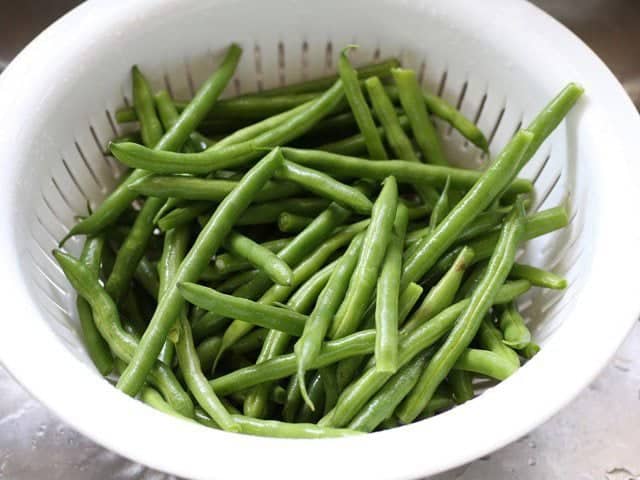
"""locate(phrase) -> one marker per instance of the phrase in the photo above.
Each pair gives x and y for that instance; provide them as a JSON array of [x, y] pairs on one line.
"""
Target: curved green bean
[[490, 338], [516, 334]]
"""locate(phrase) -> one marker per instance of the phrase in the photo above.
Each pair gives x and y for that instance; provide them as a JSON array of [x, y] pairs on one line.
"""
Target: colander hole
[[541, 169], [376, 54], [74, 180], [328, 56], [102, 147], [237, 86], [281, 64], [421, 71], [54, 213], [87, 164], [189, 77], [46, 230], [304, 60], [167, 84], [546, 195], [494, 130], [257, 61], [64, 197], [443, 82]]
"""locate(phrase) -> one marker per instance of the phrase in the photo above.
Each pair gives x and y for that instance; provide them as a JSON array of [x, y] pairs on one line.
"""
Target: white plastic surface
[[499, 61]]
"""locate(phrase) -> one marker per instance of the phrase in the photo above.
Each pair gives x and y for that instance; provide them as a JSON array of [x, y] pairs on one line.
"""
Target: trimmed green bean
[[467, 326], [308, 346], [412, 100], [516, 334], [404, 171], [485, 362], [359, 107], [325, 186], [205, 246], [363, 282], [538, 277], [387, 296], [260, 257]]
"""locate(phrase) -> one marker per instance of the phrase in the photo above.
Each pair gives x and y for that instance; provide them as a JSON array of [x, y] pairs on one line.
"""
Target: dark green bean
[[363, 282], [107, 321], [404, 171], [387, 296], [467, 326], [326, 186], [312, 409], [205, 246], [97, 348], [331, 390], [412, 100], [359, 107], [260, 257]]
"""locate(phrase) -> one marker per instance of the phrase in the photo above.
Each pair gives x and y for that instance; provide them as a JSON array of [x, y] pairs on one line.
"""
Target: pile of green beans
[[273, 283]]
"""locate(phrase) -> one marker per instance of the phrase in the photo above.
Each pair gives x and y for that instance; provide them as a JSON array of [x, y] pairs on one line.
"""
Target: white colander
[[499, 61]]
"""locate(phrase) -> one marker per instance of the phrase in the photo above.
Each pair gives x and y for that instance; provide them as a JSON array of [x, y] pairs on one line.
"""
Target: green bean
[[293, 253], [135, 137], [471, 282], [460, 383], [347, 369], [120, 199], [440, 402], [183, 215], [330, 384], [325, 186], [499, 174], [538, 277], [419, 212], [363, 282], [490, 338], [293, 400], [132, 315], [236, 281], [226, 263], [150, 127], [443, 293], [516, 334], [441, 208], [400, 143], [269, 212], [152, 398], [267, 316], [250, 342], [205, 246], [484, 223], [486, 363], [291, 223], [207, 351], [214, 190], [197, 382], [308, 412], [412, 343], [276, 429], [360, 343], [169, 116], [536, 225], [530, 350], [146, 275], [404, 171], [359, 107], [469, 322], [279, 395], [107, 321], [276, 342], [234, 155], [308, 346], [260, 257], [387, 296], [383, 404], [412, 100], [97, 348], [373, 69]]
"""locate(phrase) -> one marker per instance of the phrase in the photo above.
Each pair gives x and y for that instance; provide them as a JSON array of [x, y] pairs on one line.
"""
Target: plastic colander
[[499, 61]]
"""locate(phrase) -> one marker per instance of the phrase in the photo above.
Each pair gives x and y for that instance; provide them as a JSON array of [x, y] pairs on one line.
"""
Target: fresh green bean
[[442, 400], [236, 281], [387, 296], [443, 293], [467, 326], [538, 277], [412, 100], [311, 410], [107, 321], [169, 116], [234, 155], [291, 223], [404, 171], [205, 246], [207, 351], [293, 400], [360, 343], [260, 257], [400, 143], [308, 346], [267, 316], [383, 404], [461, 386], [197, 382], [214, 190], [499, 174], [359, 107], [120, 199], [143, 104], [326, 186], [484, 362], [330, 384], [516, 334], [363, 282], [226, 263], [269, 212], [250, 342], [530, 350], [490, 338], [276, 342], [441, 208], [97, 348]]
